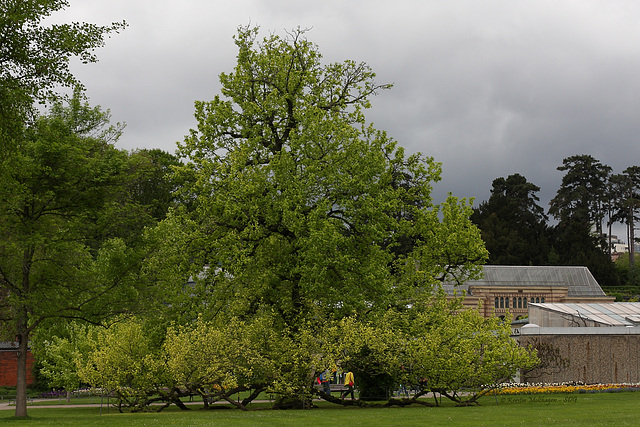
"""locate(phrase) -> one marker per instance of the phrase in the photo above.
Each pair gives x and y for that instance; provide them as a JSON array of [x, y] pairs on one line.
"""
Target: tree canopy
[[299, 200], [35, 58], [514, 227], [516, 230], [582, 193]]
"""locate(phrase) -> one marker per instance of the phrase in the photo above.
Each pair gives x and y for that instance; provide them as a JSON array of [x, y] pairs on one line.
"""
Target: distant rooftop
[[605, 314], [8, 345], [579, 280]]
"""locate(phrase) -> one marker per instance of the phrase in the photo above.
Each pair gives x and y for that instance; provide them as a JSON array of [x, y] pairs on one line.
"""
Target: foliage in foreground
[[425, 347]]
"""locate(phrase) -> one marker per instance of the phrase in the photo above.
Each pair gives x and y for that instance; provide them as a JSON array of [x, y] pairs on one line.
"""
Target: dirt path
[[5, 405]]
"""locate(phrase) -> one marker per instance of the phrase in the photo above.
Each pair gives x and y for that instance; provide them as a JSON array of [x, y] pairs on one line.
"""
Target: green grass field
[[591, 409]]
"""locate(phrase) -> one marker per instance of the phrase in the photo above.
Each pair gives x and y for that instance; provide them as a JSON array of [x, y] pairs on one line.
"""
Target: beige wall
[[594, 358], [485, 296]]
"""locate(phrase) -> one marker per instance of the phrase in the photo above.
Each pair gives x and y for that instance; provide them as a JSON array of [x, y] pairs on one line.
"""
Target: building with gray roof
[[512, 288]]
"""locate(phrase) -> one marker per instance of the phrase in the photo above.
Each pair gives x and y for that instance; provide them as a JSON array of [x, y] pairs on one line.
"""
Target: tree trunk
[[21, 386], [632, 251], [609, 233], [259, 389]]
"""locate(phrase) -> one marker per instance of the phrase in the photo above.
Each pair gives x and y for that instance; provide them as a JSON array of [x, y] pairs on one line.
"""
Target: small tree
[[124, 360], [57, 355], [550, 360], [463, 352], [218, 361]]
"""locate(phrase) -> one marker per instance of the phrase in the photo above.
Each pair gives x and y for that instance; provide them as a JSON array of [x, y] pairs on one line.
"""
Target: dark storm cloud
[[487, 88]]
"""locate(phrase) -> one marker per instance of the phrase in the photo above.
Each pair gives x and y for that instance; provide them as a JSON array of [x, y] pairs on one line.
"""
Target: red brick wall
[[9, 368]]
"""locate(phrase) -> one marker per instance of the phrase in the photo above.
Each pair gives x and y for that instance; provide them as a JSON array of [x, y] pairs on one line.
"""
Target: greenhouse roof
[[606, 314], [578, 280]]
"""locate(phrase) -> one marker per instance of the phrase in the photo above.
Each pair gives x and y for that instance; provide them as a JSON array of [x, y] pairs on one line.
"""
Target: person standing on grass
[[348, 383], [324, 381]]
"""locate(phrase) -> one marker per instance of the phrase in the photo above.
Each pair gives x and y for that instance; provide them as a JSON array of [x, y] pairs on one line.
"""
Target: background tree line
[[590, 200]]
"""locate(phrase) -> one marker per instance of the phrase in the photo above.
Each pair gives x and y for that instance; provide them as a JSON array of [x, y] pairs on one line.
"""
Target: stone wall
[[610, 355]]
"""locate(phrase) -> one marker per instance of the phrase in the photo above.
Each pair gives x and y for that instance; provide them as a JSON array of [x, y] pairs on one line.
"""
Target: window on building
[[542, 300], [501, 302], [524, 302], [519, 302], [496, 303], [506, 302], [515, 302]]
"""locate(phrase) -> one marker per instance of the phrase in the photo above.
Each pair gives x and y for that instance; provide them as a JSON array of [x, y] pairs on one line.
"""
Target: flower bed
[[84, 392], [511, 389]]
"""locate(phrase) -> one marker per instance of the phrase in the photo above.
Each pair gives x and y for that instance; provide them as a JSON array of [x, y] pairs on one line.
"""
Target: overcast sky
[[488, 88]]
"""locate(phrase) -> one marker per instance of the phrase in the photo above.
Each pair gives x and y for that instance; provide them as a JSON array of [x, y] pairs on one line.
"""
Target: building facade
[[512, 288]]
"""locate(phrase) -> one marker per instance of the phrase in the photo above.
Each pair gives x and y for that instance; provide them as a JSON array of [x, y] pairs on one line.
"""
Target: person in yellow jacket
[[348, 383]]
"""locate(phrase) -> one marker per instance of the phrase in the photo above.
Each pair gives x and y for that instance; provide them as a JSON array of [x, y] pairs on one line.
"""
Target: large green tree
[[58, 186], [299, 201], [56, 355], [34, 65], [514, 227]]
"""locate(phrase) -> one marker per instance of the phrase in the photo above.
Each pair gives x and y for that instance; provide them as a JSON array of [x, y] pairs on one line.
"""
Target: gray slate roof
[[578, 280]]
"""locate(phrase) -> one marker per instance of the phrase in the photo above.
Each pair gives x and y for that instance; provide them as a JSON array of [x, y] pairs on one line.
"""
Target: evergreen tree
[[627, 190], [513, 225], [580, 207], [582, 195]]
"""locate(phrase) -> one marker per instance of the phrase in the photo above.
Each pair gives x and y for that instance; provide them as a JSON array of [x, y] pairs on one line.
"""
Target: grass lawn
[[590, 409]]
